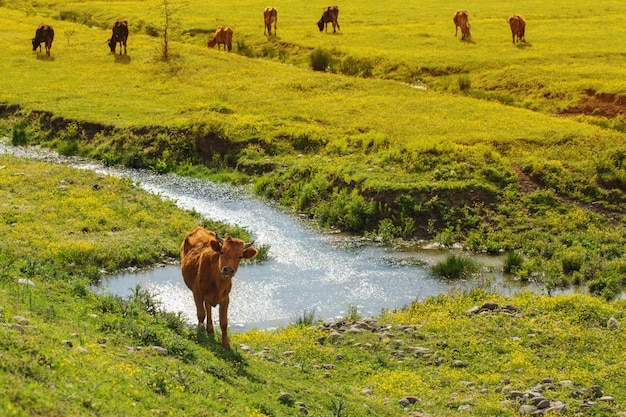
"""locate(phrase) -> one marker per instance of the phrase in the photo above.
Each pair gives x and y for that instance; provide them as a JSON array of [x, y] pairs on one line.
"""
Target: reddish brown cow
[[208, 264], [518, 27], [461, 21], [330, 15], [43, 34], [119, 35], [223, 36], [270, 15]]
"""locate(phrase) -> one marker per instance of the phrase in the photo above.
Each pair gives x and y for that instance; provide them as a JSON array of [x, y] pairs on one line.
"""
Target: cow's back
[[44, 33], [227, 35], [332, 13], [199, 237], [195, 246], [270, 13], [120, 29], [517, 23], [460, 18]]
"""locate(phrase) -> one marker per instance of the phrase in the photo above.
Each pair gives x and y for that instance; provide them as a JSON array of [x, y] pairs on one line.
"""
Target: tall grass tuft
[[455, 267], [244, 49], [307, 318], [19, 136], [464, 82], [320, 59], [512, 262]]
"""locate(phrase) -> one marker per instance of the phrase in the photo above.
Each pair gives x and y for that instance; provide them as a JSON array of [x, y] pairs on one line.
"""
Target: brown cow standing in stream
[[208, 264]]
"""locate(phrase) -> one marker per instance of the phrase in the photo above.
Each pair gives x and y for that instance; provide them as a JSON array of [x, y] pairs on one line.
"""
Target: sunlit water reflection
[[306, 271]]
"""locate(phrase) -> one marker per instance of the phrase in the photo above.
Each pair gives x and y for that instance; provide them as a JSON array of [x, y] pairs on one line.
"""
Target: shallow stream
[[307, 270]]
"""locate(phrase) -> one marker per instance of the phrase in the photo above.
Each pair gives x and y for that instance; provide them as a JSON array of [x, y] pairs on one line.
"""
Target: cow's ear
[[215, 245], [250, 253]]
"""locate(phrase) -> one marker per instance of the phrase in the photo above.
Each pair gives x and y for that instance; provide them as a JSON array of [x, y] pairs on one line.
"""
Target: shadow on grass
[[235, 359], [213, 343], [122, 59], [44, 57]]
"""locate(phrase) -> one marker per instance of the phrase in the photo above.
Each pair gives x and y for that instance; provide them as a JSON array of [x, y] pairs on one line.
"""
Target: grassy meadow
[[408, 133], [404, 134], [66, 350]]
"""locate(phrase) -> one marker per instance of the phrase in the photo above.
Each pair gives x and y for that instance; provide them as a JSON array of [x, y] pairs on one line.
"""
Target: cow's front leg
[[224, 323], [209, 318]]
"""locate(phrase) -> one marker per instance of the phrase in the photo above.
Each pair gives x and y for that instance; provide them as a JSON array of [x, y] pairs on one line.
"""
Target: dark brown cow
[[518, 27], [270, 15], [209, 264], [119, 35], [330, 15], [43, 34], [461, 21], [223, 36]]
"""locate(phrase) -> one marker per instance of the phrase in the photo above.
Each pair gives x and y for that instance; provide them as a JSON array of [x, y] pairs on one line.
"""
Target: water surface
[[307, 270]]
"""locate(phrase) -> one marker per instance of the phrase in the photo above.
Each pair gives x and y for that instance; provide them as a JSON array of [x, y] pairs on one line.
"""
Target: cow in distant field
[[43, 34], [208, 264], [223, 36], [461, 21], [270, 15], [518, 27], [330, 15], [119, 35]]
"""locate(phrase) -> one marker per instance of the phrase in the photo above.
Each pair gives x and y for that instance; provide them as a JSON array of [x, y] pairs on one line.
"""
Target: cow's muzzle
[[228, 272]]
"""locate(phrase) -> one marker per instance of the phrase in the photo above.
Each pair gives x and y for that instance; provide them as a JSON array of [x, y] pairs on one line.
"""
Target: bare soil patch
[[600, 104]]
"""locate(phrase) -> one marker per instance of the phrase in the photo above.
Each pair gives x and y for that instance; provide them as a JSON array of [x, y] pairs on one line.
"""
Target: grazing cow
[[208, 264], [518, 27], [461, 21], [223, 36], [119, 35], [330, 15], [270, 15], [43, 34]]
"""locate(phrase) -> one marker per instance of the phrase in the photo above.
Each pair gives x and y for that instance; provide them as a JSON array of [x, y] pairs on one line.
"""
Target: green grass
[[477, 155], [54, 217], [477, 158], [455, 267], [83, 354]]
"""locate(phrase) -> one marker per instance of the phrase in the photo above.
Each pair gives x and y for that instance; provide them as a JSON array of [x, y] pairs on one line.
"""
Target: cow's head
[[35, 44], [211, 43], [231, 251], [320, 24], [112, 44]]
